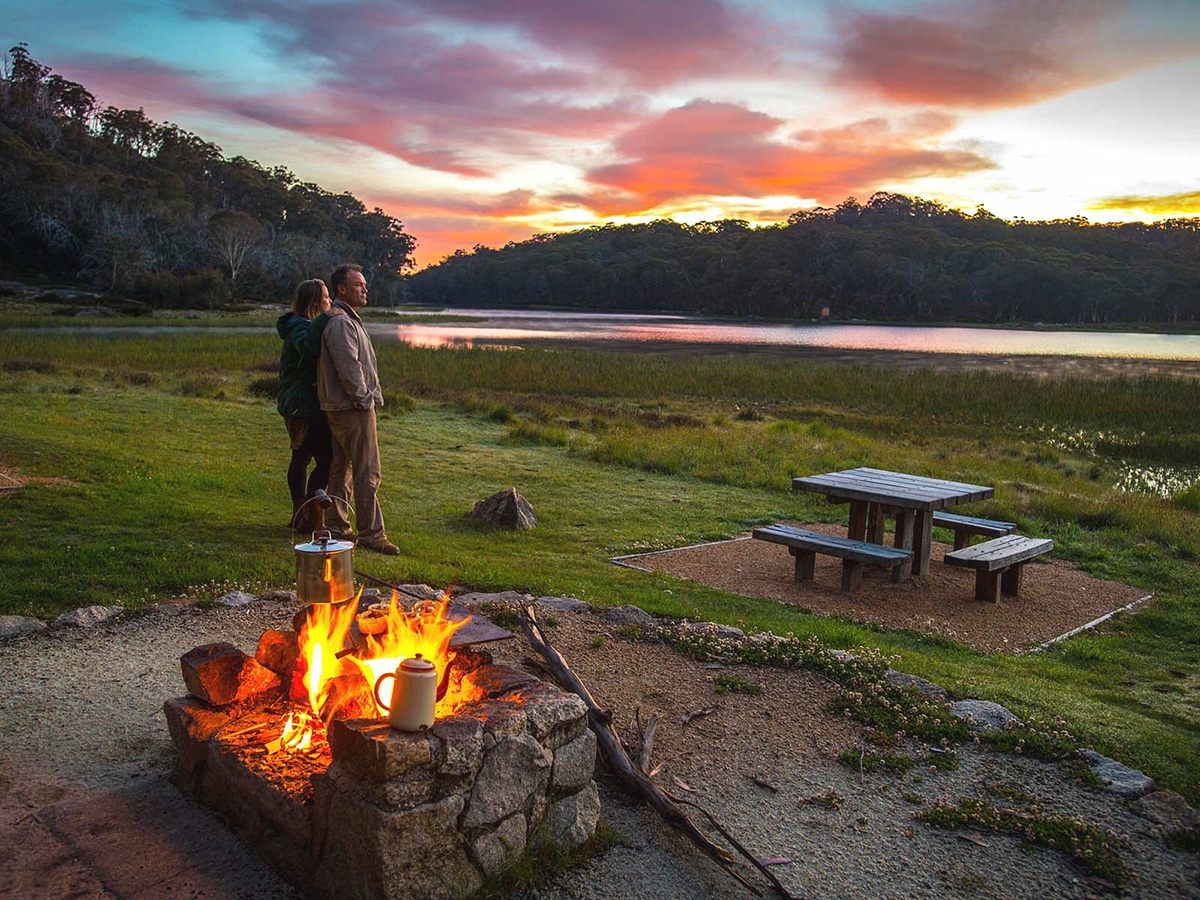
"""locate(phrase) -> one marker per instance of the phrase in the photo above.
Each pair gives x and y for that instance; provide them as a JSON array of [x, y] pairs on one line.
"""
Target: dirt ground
[[1056, 598], [87, 809]]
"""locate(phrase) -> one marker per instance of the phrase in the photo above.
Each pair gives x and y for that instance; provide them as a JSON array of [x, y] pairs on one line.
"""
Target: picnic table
[[876, 494]]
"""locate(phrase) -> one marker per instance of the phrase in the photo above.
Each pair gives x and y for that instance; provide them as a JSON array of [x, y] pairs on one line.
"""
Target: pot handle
[[379, 700]]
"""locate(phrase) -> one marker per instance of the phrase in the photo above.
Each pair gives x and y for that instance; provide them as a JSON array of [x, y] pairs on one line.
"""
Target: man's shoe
[[384, 546]]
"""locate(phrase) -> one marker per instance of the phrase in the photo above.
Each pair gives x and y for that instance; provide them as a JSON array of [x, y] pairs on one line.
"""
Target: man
[[348, 385]]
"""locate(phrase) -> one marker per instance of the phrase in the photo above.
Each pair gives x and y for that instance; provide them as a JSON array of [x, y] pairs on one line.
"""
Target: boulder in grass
[[220, 674], [89, 616], [507, 509], [15, 626]]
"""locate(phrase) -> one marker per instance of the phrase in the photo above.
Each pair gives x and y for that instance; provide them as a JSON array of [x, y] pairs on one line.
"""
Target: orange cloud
[[1164, 205], [994, 53], [707, 149]]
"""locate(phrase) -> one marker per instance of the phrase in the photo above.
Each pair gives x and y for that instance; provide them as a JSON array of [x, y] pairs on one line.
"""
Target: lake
[[514, 327]]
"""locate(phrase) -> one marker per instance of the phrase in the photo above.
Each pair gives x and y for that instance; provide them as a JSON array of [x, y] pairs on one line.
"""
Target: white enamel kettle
[[415, 693]]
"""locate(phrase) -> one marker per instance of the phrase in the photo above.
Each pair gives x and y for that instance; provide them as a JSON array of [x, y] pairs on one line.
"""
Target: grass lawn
[[158, 469]]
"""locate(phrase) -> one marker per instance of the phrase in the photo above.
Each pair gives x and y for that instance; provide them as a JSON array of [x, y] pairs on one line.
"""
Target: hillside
[[107, 197]]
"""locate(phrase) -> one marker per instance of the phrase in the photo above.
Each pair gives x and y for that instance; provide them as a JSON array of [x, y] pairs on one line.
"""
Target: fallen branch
[[628, 774]]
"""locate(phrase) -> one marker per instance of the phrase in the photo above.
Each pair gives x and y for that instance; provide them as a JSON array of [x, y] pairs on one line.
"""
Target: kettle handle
[[378, 699]]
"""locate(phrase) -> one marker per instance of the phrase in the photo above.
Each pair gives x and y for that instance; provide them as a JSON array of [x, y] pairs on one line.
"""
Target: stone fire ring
[[385, 814]]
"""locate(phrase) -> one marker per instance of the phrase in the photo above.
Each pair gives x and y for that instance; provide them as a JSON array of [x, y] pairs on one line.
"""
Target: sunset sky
[[483, 121]]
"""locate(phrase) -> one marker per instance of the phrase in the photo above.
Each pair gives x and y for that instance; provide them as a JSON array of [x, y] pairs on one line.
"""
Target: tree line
[[152, 212], [892, 258]]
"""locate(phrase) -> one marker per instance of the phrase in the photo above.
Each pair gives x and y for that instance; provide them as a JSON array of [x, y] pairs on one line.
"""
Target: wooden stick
[[627, 773], [729, 837]]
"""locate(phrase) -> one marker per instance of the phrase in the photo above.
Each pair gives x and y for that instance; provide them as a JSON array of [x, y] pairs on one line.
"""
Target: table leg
[[858, 520], [876, 523], [904, 541], [922, 539]]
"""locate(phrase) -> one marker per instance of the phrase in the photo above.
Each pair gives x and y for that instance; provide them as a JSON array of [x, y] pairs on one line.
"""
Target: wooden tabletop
[[893, 488]]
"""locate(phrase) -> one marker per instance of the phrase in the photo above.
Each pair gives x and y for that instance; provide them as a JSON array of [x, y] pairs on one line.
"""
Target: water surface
[[515, 326]]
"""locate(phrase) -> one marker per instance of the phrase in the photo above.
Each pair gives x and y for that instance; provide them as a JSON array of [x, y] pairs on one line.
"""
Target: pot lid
[[417, 663], [322, 547]]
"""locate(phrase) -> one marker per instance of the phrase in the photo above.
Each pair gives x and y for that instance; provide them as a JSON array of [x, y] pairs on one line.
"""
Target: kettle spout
[[444, 683]]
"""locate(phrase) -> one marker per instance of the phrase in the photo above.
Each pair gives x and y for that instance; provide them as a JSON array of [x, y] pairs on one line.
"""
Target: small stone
[[496, 681], [506, 509], [421, 591], [574, 764], [564, 604], [89, 616], [460, 745], [277, 597], [551, 711], [496, 850], [928, 688], [1118, 778], [474, 598], [501, 718], [236, 598], [983, 715], [15, 626], [572, 820], [1168, 809], [221, 673], [372, 749], [370, 851], [278, 651], [713, 628], [512, 772], [191, 723], [629, 615]]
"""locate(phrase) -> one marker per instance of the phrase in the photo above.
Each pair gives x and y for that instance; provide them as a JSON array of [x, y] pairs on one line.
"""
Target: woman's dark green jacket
[[298, 364]]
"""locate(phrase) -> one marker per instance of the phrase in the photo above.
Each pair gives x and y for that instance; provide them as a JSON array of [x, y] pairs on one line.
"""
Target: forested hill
[[893, 258], [152, 212]]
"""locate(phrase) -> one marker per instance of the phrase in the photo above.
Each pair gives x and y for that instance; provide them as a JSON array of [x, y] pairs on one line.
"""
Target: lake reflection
[[516, 326]]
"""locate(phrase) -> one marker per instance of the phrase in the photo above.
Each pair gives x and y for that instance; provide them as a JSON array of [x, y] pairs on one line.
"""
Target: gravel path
[[86, 808]]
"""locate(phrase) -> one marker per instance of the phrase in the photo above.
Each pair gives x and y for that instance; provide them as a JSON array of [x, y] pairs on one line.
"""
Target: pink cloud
[[722, 149], [648, 42], [993, 53]]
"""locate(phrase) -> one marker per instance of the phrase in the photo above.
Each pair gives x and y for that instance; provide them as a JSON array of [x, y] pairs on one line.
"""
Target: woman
[[311, 440]]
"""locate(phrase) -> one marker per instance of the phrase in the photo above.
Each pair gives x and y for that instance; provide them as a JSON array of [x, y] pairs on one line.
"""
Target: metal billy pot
[[324, 567]]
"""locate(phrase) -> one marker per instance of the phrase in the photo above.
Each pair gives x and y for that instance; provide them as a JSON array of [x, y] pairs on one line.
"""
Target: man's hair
[[341, 273], [307, 301]]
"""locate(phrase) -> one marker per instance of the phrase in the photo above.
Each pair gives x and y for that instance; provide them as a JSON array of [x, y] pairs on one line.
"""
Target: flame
[[425, 630], [297, 733]]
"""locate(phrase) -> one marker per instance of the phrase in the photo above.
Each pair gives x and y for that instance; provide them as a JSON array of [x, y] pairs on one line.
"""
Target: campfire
[[336, 673], [294, 746]]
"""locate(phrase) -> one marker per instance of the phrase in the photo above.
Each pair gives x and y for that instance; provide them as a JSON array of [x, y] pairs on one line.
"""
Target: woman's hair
[[307, 301]]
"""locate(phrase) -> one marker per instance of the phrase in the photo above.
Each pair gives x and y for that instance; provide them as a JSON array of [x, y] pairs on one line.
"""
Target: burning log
[[633, 778], [221, 674], [278, 651]]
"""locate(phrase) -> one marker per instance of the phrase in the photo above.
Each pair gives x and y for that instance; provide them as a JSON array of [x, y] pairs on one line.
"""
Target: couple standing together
[[328, 392]]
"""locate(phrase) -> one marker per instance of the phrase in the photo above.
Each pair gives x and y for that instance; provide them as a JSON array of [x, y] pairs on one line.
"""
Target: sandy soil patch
[[1055, 596]]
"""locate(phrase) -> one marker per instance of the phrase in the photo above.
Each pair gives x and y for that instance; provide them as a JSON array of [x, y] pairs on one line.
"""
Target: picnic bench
[[998, 563], [964, 527], [876, 494], [855, 555]]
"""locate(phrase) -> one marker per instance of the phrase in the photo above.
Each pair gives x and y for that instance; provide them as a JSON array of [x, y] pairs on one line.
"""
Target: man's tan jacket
[[347, 375]]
